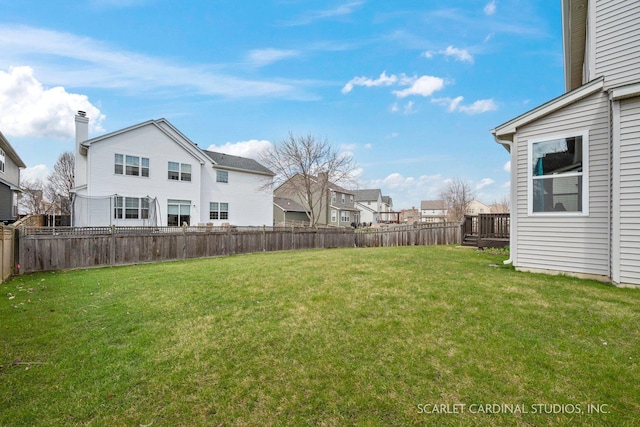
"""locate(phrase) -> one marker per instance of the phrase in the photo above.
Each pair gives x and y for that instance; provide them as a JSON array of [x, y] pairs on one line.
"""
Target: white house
[[151, 174], [575, 160], [476, 207], [433, 211], [369, 203], [10, 165]]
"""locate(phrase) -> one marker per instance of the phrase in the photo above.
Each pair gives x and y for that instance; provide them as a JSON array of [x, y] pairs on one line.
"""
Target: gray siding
[[617, 41], [6, 203], [630, 191], [578, 244]]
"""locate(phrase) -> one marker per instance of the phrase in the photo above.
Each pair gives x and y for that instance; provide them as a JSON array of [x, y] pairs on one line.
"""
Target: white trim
[[585, 173], [615, 193], [590, 39], [556, 104], [627, 91]]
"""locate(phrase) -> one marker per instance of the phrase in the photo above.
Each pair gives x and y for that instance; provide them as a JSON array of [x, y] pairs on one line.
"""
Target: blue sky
[[410, 88]]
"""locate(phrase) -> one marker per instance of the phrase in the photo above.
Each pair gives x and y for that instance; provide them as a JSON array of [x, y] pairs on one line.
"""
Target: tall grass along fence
[[6, 252], [61, 248]]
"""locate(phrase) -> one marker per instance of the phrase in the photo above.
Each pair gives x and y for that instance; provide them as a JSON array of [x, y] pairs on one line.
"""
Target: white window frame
[[3, 160], [343, 198], [222, 176], [121, 165], [219, 211], [345, 216], [584, 174], [181, 171], [334, 215], [180, 204]]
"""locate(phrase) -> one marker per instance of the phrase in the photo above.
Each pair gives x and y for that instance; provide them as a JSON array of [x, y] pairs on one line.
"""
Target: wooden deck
[[486, 230]]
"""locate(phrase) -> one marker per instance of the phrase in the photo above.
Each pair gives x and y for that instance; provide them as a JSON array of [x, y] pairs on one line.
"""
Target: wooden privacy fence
[[6, 252], [62, 248]]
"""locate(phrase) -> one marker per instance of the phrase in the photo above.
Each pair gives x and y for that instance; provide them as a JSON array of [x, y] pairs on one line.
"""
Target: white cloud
[[34, 173], [423, 86], [408, 108], [339, 11], [507, 166], [348, 147], [461, 55], [455, 104], [490, 8], [99, 65], [251, 149], [407, 191], [383, 80], [480, 106], [394, 107], [27, 108], [263, 57], [484, 182], [368, 146]]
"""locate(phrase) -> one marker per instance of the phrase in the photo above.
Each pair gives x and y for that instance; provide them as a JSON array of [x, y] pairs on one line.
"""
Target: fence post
[[112, 252]]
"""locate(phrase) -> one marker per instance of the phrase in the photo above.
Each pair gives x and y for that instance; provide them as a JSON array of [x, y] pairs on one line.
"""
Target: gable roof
[[288, 205], [506, 130], [228, 161], [432, 205], [9, 151], [366, 195], [387, 200], [163, 126]]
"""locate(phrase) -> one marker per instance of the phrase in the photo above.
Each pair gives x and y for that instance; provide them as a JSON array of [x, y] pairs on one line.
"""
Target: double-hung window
[[2, 161], [179, 171], [218, 210], [344, 216], [178, 212], [131, 165], [130, 207], [558, 175], [222, 176]]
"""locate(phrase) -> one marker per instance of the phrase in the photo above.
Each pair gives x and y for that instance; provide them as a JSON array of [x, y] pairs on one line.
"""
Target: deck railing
[[488, 229]]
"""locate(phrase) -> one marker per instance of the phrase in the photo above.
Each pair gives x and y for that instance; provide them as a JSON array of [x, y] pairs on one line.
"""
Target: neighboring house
[[287, 211], [10, 165], [476, 207], [338, 204], [151, 174], [369, 202], [575, 161], [409, 216], [387, 213], [433, 211]]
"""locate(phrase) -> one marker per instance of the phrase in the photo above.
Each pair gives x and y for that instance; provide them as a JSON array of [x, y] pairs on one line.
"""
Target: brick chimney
[[82, 134]]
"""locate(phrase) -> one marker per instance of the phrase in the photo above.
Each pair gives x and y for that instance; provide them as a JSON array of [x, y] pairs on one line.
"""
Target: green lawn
[[380, 336]]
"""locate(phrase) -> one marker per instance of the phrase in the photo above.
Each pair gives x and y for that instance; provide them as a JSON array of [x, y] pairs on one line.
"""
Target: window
[[178, 212], [179, 171], [218, 210], [334, 215], [344, 216], [343, 199], [131, 165], [117, 207], [350, 199], [2, 160], [333, 197], [558, 175], [222, 176], [130, 207], [119, 164]]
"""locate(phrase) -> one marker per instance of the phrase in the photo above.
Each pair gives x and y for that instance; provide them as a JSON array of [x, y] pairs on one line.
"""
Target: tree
[[502, 206], [457, 194], [305, 167], [31, 200], [61, 181]]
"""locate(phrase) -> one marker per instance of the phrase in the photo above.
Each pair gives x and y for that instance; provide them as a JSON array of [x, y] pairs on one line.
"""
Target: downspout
[[506, 143]]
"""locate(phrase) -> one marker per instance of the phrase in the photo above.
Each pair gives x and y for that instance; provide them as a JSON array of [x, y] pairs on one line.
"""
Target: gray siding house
[[575, 160], [10, 165]]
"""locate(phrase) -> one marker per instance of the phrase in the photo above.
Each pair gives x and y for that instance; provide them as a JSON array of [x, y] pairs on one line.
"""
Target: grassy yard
[[381, 336]]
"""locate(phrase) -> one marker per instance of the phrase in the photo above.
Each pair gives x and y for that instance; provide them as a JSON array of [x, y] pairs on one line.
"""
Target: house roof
[[228, 161], [504, 133], [387, 200], [9, 151], [366, 195], [432, 205], [288, 205]]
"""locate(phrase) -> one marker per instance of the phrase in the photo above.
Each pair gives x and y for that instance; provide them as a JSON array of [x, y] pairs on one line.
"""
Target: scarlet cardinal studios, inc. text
[[520, 408]]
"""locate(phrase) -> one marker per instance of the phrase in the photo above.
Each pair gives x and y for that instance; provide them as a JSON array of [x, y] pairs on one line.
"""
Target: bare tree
[[305, 167], [503, 206], [61, 181], [457, 194], [31, 201]]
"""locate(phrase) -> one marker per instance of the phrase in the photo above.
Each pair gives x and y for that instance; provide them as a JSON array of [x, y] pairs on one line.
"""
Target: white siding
[[630, 191], [147, 141], [577, 244], [617, 41]]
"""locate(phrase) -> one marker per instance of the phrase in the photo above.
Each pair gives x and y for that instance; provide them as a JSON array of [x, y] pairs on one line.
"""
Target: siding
[[617, 41], [577, 244], [630, 191], [6, 203]]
